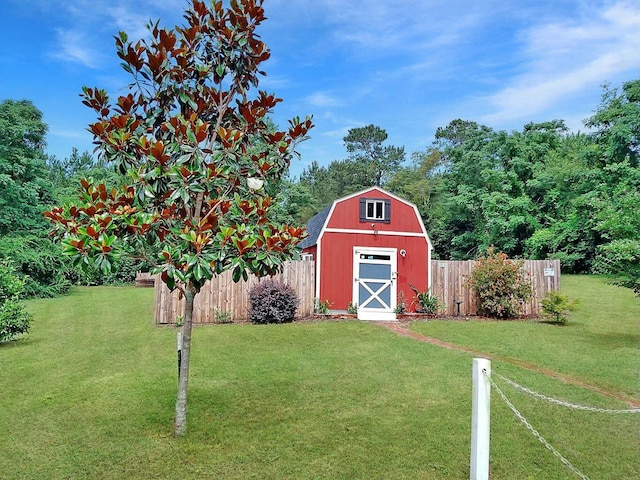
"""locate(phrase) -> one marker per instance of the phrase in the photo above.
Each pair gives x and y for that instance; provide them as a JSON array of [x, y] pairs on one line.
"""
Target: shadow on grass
[[554, 323], [617, 340], [20, 342]]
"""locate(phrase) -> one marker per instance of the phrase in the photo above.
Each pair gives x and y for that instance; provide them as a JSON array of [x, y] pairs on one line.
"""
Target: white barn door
[[374, 283]]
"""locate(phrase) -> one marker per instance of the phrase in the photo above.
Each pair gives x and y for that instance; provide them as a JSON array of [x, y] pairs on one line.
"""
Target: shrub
[[220, 316], [425, 302], [620, 259], [272, 302], [320, 306], [500, 284], [557, 307], [401, 304], [11, 286], [123, 273], [352, 308], [38, 263], [14, 319]]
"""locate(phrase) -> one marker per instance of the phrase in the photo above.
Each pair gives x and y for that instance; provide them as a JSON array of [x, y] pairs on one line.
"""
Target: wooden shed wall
[[336, 269], [346, 214]]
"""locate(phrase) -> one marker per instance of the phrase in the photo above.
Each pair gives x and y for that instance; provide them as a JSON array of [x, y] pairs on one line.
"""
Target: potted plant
[[425, 301]]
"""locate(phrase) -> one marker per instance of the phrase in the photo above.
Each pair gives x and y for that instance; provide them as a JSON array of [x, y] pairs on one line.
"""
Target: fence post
[[480, 417]]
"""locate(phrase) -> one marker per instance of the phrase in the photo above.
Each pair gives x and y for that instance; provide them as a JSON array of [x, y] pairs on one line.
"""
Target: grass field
[[600, 344], [90, 393]]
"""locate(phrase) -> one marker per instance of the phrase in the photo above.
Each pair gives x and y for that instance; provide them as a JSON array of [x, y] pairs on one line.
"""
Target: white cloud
[[323, 100], [337, 134], [400, 25], [73, 134], [273, 82], [374, 27], [73, 47], [134, 24], [562, 59], [86, 26]]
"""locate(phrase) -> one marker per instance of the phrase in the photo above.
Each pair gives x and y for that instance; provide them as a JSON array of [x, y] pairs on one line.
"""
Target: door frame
[[376, 314]]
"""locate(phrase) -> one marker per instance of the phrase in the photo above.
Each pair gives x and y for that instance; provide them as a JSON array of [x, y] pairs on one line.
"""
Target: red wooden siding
[[336, 262], [346, 214], [312, 250], [344, 230]]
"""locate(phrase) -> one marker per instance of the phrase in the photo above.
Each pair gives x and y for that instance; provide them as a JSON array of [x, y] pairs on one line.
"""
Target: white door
[[374, 284]]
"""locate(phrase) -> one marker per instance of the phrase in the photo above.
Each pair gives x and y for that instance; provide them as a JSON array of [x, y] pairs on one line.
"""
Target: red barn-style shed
[[368, 247]]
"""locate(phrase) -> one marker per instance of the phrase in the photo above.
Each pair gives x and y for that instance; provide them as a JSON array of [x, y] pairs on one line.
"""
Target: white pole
[[480, 416]]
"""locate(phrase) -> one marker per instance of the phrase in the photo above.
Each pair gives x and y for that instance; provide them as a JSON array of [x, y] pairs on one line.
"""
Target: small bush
[[620, 259], [320, 306], [425, 302], [38, 263], [500, 284], [272, 302], [557, 307], [220, 316], [401, 303], [14, 319], [352, 308]]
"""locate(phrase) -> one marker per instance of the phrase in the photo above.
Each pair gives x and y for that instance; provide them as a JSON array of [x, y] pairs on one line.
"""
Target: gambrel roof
[[314, 227], [316, 224]]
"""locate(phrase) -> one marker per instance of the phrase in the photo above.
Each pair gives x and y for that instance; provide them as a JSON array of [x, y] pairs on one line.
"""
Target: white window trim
[[378, 206]]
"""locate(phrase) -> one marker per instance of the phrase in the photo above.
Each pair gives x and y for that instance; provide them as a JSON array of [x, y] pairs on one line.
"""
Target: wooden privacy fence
[[449, 283], [145, 279], [221, 298]]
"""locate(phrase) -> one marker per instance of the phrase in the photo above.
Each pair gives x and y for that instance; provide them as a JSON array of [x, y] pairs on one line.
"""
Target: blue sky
[[408, 66]]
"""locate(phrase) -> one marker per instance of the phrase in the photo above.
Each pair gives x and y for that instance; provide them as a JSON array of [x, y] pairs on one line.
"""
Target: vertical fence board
[[221, 295], [450, 284]]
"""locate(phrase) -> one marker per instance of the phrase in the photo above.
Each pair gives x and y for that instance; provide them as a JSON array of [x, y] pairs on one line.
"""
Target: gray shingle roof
[[314, 227]]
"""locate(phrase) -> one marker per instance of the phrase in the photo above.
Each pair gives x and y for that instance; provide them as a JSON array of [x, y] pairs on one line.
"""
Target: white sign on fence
[[549, 272]]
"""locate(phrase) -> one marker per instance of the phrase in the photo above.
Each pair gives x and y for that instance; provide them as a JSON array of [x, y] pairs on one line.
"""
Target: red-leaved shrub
[[271, 301]]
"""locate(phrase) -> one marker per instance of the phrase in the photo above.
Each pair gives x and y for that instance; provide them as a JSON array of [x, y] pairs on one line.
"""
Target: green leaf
[[184, 98], [237, 273], [191, 136]]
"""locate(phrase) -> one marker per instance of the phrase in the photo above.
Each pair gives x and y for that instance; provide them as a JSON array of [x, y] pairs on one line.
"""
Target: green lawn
[[600, 344], [90, 392]]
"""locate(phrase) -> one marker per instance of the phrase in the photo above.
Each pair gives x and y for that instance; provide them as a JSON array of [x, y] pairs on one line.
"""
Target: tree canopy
[[24, 187], [538, 192], [377, 161], [193, 140]]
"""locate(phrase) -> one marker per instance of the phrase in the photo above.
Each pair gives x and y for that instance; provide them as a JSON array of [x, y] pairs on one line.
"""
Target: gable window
[[375, 210]]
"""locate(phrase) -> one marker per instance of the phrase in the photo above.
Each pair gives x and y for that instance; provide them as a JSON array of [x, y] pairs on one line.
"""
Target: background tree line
[[32, 182], [542, 192]]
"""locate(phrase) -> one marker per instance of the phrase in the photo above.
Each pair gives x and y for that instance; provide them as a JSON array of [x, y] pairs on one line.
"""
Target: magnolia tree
[[193, 139]]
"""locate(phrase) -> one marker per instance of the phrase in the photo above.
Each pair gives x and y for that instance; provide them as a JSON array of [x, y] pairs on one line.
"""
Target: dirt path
[[404, 331]]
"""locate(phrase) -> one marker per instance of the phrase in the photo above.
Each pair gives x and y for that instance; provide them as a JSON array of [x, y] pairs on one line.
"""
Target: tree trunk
[[183, 380]]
